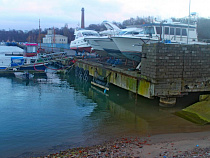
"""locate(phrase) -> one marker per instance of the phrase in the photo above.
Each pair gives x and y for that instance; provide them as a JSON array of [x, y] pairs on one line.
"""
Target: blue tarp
[[16, 61]]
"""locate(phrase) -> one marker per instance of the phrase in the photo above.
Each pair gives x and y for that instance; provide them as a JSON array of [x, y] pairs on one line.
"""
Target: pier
[[168, 71]]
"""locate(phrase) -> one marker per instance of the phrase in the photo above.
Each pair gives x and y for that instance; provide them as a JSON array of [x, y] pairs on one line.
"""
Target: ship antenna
[[39, 34], [53, 43]]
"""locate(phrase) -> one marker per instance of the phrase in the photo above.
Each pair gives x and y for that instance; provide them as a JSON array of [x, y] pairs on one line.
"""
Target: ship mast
[[39, 35], [53, 41]]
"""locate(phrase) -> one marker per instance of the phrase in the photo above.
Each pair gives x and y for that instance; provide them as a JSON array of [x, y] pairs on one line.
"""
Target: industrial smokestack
[[83, 19]]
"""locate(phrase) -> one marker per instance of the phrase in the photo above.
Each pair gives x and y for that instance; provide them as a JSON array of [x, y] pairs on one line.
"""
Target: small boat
[[23, 75], [29, 61], [80, 44]]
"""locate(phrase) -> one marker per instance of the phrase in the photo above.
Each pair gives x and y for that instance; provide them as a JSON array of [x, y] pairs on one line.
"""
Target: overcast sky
[[25, 14]]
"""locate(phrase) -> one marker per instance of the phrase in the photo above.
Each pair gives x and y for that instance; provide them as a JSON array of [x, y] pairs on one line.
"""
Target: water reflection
[[131, 114], [59, 112]]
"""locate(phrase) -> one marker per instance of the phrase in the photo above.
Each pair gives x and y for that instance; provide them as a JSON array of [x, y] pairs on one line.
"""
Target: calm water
[[43, 116]]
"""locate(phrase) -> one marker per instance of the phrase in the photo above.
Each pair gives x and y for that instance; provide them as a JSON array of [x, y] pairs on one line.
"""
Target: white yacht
[[99, 44], [106, 43], [131, 46], [80, 44]]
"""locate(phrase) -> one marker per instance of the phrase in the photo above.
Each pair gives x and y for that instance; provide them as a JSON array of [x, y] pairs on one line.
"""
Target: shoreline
[[196, 144]]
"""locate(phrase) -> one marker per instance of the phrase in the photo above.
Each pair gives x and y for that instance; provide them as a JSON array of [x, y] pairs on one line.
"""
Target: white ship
[[80, 44], [131, 46], [106, 43]]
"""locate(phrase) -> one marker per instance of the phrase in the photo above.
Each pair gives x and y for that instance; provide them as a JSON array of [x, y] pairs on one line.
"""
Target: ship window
[[191, 30], [79, 35], [135, 33], [171, 31], [31, 49], [166, 30], [122, 32], [149, 30], [178, 31], [184, 32], [132, 33], [33, 60], [159, 30], [89, 34]]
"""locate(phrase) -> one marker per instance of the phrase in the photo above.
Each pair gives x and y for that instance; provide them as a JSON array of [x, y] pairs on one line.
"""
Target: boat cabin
[[172, 32], [85, 33], [30, 50], [131, 32]]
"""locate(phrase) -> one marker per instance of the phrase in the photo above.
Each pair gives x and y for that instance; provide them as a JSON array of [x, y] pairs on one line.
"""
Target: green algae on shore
[[199, 112]]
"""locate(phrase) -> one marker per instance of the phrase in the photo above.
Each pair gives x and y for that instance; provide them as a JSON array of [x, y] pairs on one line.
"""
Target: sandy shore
[[165, 146]]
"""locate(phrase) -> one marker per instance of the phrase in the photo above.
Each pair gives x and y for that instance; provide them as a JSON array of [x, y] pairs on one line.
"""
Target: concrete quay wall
[[167, 71], [175, 69]]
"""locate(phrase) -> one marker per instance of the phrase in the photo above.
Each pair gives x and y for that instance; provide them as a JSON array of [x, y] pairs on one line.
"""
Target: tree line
[[203, 30]]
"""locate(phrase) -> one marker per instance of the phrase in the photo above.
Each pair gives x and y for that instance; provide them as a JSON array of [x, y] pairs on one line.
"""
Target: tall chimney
[[83, 19]]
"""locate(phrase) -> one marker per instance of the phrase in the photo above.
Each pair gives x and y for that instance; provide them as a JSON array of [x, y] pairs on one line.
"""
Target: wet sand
[[156, 146]]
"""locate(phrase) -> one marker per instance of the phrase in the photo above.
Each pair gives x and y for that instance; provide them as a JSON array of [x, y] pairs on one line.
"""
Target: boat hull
[[115, 53], [92, 42], [131, 47], [96, 47], [34, 67], [110, 47], [80, 45], [102, 53], [81, 49], [135, 56]]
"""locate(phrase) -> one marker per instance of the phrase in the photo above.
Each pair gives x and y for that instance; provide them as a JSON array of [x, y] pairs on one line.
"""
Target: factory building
[[51, 37]]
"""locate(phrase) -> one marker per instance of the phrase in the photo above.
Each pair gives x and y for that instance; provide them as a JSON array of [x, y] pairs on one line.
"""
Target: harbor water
[[53, 113]]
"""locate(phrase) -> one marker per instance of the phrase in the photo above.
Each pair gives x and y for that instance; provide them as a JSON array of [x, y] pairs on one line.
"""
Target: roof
[[169, 25]]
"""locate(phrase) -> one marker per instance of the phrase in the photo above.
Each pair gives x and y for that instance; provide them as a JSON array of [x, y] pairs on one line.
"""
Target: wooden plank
[[98, 85]]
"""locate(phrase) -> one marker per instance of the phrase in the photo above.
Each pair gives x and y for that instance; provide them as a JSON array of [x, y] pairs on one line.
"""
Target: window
[[171, 31], [33, 60], [31, 49], [90, 34], [122, 32], [178, 31], [166, 30], [191, 30], [159, 30], [149, 30], [131, 33], [184, 32]]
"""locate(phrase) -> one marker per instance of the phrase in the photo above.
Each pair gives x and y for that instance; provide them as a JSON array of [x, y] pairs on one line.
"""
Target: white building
[[49, 38]]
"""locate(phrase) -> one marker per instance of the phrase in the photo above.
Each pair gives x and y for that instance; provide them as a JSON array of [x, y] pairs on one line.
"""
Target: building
[[54, 38]]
